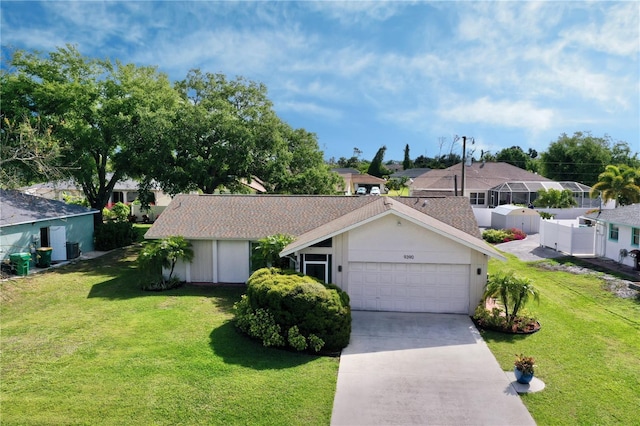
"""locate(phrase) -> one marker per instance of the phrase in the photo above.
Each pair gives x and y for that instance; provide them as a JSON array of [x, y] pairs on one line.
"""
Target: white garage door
[[405, 287]]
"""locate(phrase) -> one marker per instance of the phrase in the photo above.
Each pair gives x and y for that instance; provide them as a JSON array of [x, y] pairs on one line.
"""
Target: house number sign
[[409, 256]]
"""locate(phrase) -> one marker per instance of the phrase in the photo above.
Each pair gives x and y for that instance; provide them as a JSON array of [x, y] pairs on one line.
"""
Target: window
[[317, 266], [613, 232], [635, 237], [477, 198]]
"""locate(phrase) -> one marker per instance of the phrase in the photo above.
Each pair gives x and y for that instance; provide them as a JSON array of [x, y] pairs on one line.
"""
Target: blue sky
[[367, 74]]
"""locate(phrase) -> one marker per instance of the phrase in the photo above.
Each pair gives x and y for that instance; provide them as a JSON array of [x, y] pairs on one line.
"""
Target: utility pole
[[464, 161]]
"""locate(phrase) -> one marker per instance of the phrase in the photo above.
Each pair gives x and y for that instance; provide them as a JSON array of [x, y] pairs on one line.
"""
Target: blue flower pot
[[522, 377]]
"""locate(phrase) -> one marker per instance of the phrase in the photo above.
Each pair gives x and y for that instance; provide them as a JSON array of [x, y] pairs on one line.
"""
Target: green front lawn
[[587, 352], [83, 345]]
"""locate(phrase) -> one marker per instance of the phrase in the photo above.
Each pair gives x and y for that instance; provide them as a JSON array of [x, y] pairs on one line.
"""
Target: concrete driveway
[[419, 369]]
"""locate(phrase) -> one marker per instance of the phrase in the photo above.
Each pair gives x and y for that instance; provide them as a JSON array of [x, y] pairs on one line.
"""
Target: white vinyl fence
[[568, 237]]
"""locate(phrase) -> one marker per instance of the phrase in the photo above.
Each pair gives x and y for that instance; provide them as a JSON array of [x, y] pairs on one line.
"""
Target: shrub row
[[111, 235], [496, 236], [283, 308]]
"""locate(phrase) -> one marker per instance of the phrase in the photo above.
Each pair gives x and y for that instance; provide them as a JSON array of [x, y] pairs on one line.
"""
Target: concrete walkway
[[419, 369]]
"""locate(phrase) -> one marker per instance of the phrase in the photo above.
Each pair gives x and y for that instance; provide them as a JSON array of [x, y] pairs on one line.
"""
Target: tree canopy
[[104, 114], [580, 158], [101, 121]]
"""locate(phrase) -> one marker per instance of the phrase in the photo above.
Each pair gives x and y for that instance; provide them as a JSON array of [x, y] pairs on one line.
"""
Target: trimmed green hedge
[[281, 306], [111, 235]]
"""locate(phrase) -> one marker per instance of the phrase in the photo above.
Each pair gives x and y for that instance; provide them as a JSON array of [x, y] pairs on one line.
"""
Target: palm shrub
[[266, 253], [512, 291], [283, 308], [163, 254]]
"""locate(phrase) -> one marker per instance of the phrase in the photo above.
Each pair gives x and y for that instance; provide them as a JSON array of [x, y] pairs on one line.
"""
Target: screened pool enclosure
[[526, 192]]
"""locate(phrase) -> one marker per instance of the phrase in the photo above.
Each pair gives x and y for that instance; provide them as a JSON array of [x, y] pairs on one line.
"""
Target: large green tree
[[303, 170], [517, 157], [28, 152], [618, 183], [580, 158], [226, 133], [376, 168], [104, 114]]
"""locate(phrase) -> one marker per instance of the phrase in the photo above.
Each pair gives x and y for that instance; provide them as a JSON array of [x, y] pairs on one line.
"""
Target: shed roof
[[511, 210], [18, 208]]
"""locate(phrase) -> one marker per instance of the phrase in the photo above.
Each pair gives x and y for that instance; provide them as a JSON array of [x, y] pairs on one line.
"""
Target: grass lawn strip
[[586, 352], [83, 345]]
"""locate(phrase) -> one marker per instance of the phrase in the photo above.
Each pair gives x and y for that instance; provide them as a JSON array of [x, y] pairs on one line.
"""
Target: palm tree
[[165, 254], [619, 183], [514, 292]]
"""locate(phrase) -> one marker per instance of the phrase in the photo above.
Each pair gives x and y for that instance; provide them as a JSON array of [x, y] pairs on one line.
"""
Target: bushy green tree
[[580, 158], [555, 199], [106, 116], [288, 309]]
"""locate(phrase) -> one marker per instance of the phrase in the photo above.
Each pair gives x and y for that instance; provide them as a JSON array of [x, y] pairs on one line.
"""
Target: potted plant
[[524, 368]]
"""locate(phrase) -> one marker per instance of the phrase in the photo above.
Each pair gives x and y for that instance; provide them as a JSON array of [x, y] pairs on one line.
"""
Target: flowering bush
[[497, 236]]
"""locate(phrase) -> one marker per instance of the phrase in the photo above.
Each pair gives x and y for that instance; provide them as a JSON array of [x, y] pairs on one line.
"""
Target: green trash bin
[[44, 257], [21, 262]]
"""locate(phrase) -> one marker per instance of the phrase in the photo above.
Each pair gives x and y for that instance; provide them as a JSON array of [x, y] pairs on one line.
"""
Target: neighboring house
[[353, 180], [28, 222], [125, 191], [490, 184], [410, 173], [617, 233], [389, 254]]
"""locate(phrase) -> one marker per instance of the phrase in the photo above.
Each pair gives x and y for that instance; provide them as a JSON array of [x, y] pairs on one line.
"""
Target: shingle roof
[[17, 208], [257, 216], [478, 176], [411, 173], [625, 215]]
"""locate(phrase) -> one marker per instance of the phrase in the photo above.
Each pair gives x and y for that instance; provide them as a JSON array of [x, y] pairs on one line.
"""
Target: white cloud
[[356, 11], [507, 113], [309, 108], [615, 30]]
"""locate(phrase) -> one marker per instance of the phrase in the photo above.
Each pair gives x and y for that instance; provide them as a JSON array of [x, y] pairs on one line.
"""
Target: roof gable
[[18, 208], [382, 207]]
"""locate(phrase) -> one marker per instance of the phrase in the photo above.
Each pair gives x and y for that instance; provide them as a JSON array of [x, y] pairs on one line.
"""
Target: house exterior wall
[[606, 247], [395, 240], [216, 261], [19, 238]]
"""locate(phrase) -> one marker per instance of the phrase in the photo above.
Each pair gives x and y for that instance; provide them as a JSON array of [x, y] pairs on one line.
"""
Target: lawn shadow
[[236, 348], [498, 337]]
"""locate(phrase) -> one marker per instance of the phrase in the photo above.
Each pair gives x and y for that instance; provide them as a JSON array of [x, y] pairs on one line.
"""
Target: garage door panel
[[409, 287]]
